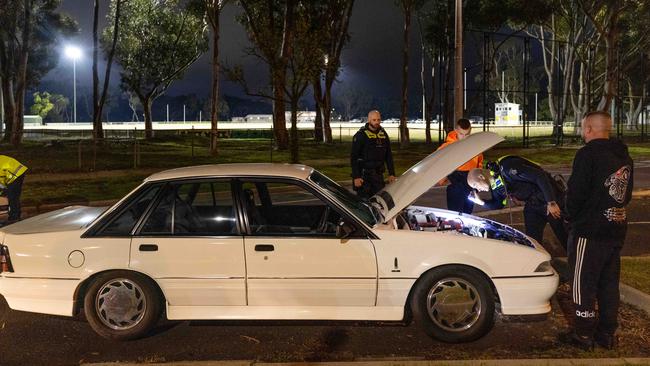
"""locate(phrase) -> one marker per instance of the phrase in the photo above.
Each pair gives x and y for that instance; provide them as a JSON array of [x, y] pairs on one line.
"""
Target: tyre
[[453, 304], [122, 305]]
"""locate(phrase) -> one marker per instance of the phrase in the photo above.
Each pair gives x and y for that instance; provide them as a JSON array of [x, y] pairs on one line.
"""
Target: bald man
[[370, 153], [599, 189]]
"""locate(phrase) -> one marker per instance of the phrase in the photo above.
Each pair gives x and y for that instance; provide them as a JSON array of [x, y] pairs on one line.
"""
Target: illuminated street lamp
[[73, 53]]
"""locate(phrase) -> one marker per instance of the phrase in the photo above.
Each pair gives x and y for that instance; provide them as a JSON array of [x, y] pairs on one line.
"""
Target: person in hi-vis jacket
[[12, 175]]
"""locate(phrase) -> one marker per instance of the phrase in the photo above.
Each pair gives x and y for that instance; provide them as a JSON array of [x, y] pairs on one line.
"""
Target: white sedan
[[275, 241]]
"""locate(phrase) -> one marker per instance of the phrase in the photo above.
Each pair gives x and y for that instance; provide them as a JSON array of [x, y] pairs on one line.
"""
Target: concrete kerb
[[393, 362]]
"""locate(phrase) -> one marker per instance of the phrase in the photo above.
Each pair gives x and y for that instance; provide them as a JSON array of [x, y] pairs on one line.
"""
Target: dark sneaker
[[571, 338], [604, 340]]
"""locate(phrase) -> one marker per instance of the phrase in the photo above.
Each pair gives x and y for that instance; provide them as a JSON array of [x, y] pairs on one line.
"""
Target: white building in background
[[303, 117], [32, 119], [507, 114], [258, 118]]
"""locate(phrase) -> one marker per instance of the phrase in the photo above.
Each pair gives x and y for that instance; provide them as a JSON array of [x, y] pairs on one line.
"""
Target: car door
[[189, 242], [293, 256]]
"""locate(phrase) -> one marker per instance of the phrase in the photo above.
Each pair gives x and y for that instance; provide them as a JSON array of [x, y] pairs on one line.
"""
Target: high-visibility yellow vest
[[10, 169]]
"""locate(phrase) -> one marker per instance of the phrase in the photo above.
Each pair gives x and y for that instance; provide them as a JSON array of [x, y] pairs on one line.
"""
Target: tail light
[[5, 260]]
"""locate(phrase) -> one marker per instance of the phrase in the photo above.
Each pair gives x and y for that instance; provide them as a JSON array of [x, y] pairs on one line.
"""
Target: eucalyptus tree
[[270, 28], [213, 9], [109, 47], [333, 19], [30, 39], [157, 42]]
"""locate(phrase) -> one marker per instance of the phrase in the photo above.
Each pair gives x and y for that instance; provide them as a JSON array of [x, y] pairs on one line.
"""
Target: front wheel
[[122, 305], [453, 304]]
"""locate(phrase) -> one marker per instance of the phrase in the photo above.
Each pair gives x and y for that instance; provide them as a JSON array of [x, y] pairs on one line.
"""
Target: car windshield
[[353, 203]]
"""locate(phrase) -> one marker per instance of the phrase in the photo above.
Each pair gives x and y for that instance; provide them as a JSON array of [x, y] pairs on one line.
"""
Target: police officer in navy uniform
[[370, 156], [524, 181], [599, 189]]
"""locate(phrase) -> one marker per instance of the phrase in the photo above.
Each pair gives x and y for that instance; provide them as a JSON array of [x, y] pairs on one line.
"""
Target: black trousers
[[457, 192], [595, 269], [373, 182], [535, 219], [13, 196]]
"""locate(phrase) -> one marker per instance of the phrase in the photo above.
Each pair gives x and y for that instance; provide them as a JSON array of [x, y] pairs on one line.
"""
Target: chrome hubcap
[[454, 304], [120, 304]]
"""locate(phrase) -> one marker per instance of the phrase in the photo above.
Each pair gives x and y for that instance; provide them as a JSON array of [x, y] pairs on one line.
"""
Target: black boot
[[607, 341], [571, 338]]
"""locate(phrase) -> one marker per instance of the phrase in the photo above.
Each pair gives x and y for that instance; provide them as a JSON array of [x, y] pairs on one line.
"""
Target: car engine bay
[[429, 219]]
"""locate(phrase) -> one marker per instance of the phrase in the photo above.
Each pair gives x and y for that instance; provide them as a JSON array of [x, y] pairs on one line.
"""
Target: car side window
[[123, 223], [202, 208], [275, 208]]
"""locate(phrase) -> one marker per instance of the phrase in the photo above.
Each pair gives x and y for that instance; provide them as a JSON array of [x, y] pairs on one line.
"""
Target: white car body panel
[[200, 271], [311, 272], [384, 313]]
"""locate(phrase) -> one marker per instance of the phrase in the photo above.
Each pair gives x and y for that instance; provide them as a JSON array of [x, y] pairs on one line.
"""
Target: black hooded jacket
[[599, 189]]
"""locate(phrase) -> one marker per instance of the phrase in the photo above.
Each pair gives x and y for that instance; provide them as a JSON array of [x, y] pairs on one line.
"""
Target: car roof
[[237, 170]]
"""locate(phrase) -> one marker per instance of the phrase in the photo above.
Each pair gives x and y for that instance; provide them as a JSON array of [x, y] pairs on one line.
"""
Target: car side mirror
[[344, 229]]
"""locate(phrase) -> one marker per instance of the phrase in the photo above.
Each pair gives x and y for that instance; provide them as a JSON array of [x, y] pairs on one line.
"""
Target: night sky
[[371, 61]]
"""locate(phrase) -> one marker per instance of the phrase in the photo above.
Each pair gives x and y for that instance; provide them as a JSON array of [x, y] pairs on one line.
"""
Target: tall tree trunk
[[10, 107], [100, 99], [2, 107], [97, 117], [404, 132], [327, 110], [148, 125], [318, 101], [447, 105], [279, 119], [294, 131], [428, 115], [611, 65], [21, 82], [214, 107]]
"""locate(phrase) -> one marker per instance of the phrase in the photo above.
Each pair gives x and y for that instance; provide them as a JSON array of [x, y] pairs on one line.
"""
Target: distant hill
[[240, 107]]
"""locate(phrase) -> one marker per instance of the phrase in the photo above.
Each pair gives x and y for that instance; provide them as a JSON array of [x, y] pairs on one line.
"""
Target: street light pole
[[74, 89], [458, 64], [73, 53]]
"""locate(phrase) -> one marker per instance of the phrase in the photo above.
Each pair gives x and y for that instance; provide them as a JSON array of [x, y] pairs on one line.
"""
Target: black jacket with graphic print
[[371, 150], [599, 189]]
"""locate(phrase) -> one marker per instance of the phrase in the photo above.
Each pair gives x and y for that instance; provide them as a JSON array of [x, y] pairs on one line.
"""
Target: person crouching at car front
[[458, 190], [12, 175], [524, 181]]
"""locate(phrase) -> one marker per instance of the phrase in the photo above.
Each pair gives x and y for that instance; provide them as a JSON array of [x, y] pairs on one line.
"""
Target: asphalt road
[[35, 339]]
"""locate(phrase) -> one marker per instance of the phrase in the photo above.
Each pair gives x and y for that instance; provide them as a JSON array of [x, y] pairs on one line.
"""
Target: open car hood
[[420, 177]]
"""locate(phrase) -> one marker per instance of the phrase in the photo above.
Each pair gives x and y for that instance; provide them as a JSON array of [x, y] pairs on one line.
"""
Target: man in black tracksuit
[[599, 189], [527, 182], [370, 151]]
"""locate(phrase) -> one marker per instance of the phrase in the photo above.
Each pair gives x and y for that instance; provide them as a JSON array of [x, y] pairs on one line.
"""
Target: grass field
[[72, 171], [635, 272]]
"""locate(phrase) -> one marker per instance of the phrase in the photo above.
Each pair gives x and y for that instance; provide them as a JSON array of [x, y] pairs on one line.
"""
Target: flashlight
[[473, 196]]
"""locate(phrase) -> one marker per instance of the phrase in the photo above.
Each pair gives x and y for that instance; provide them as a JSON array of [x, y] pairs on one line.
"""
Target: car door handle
[[148, 247], [264, 248]]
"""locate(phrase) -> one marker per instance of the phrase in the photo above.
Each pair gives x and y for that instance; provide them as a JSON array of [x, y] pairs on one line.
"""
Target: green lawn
[[107, 171], [635, 272]]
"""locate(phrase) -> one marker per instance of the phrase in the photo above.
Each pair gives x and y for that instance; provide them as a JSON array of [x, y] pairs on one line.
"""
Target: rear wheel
[[122, 305], [453, 304]]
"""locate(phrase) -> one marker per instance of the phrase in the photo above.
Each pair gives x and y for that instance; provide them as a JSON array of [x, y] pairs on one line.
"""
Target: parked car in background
[[276, 241], [476, 119]]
